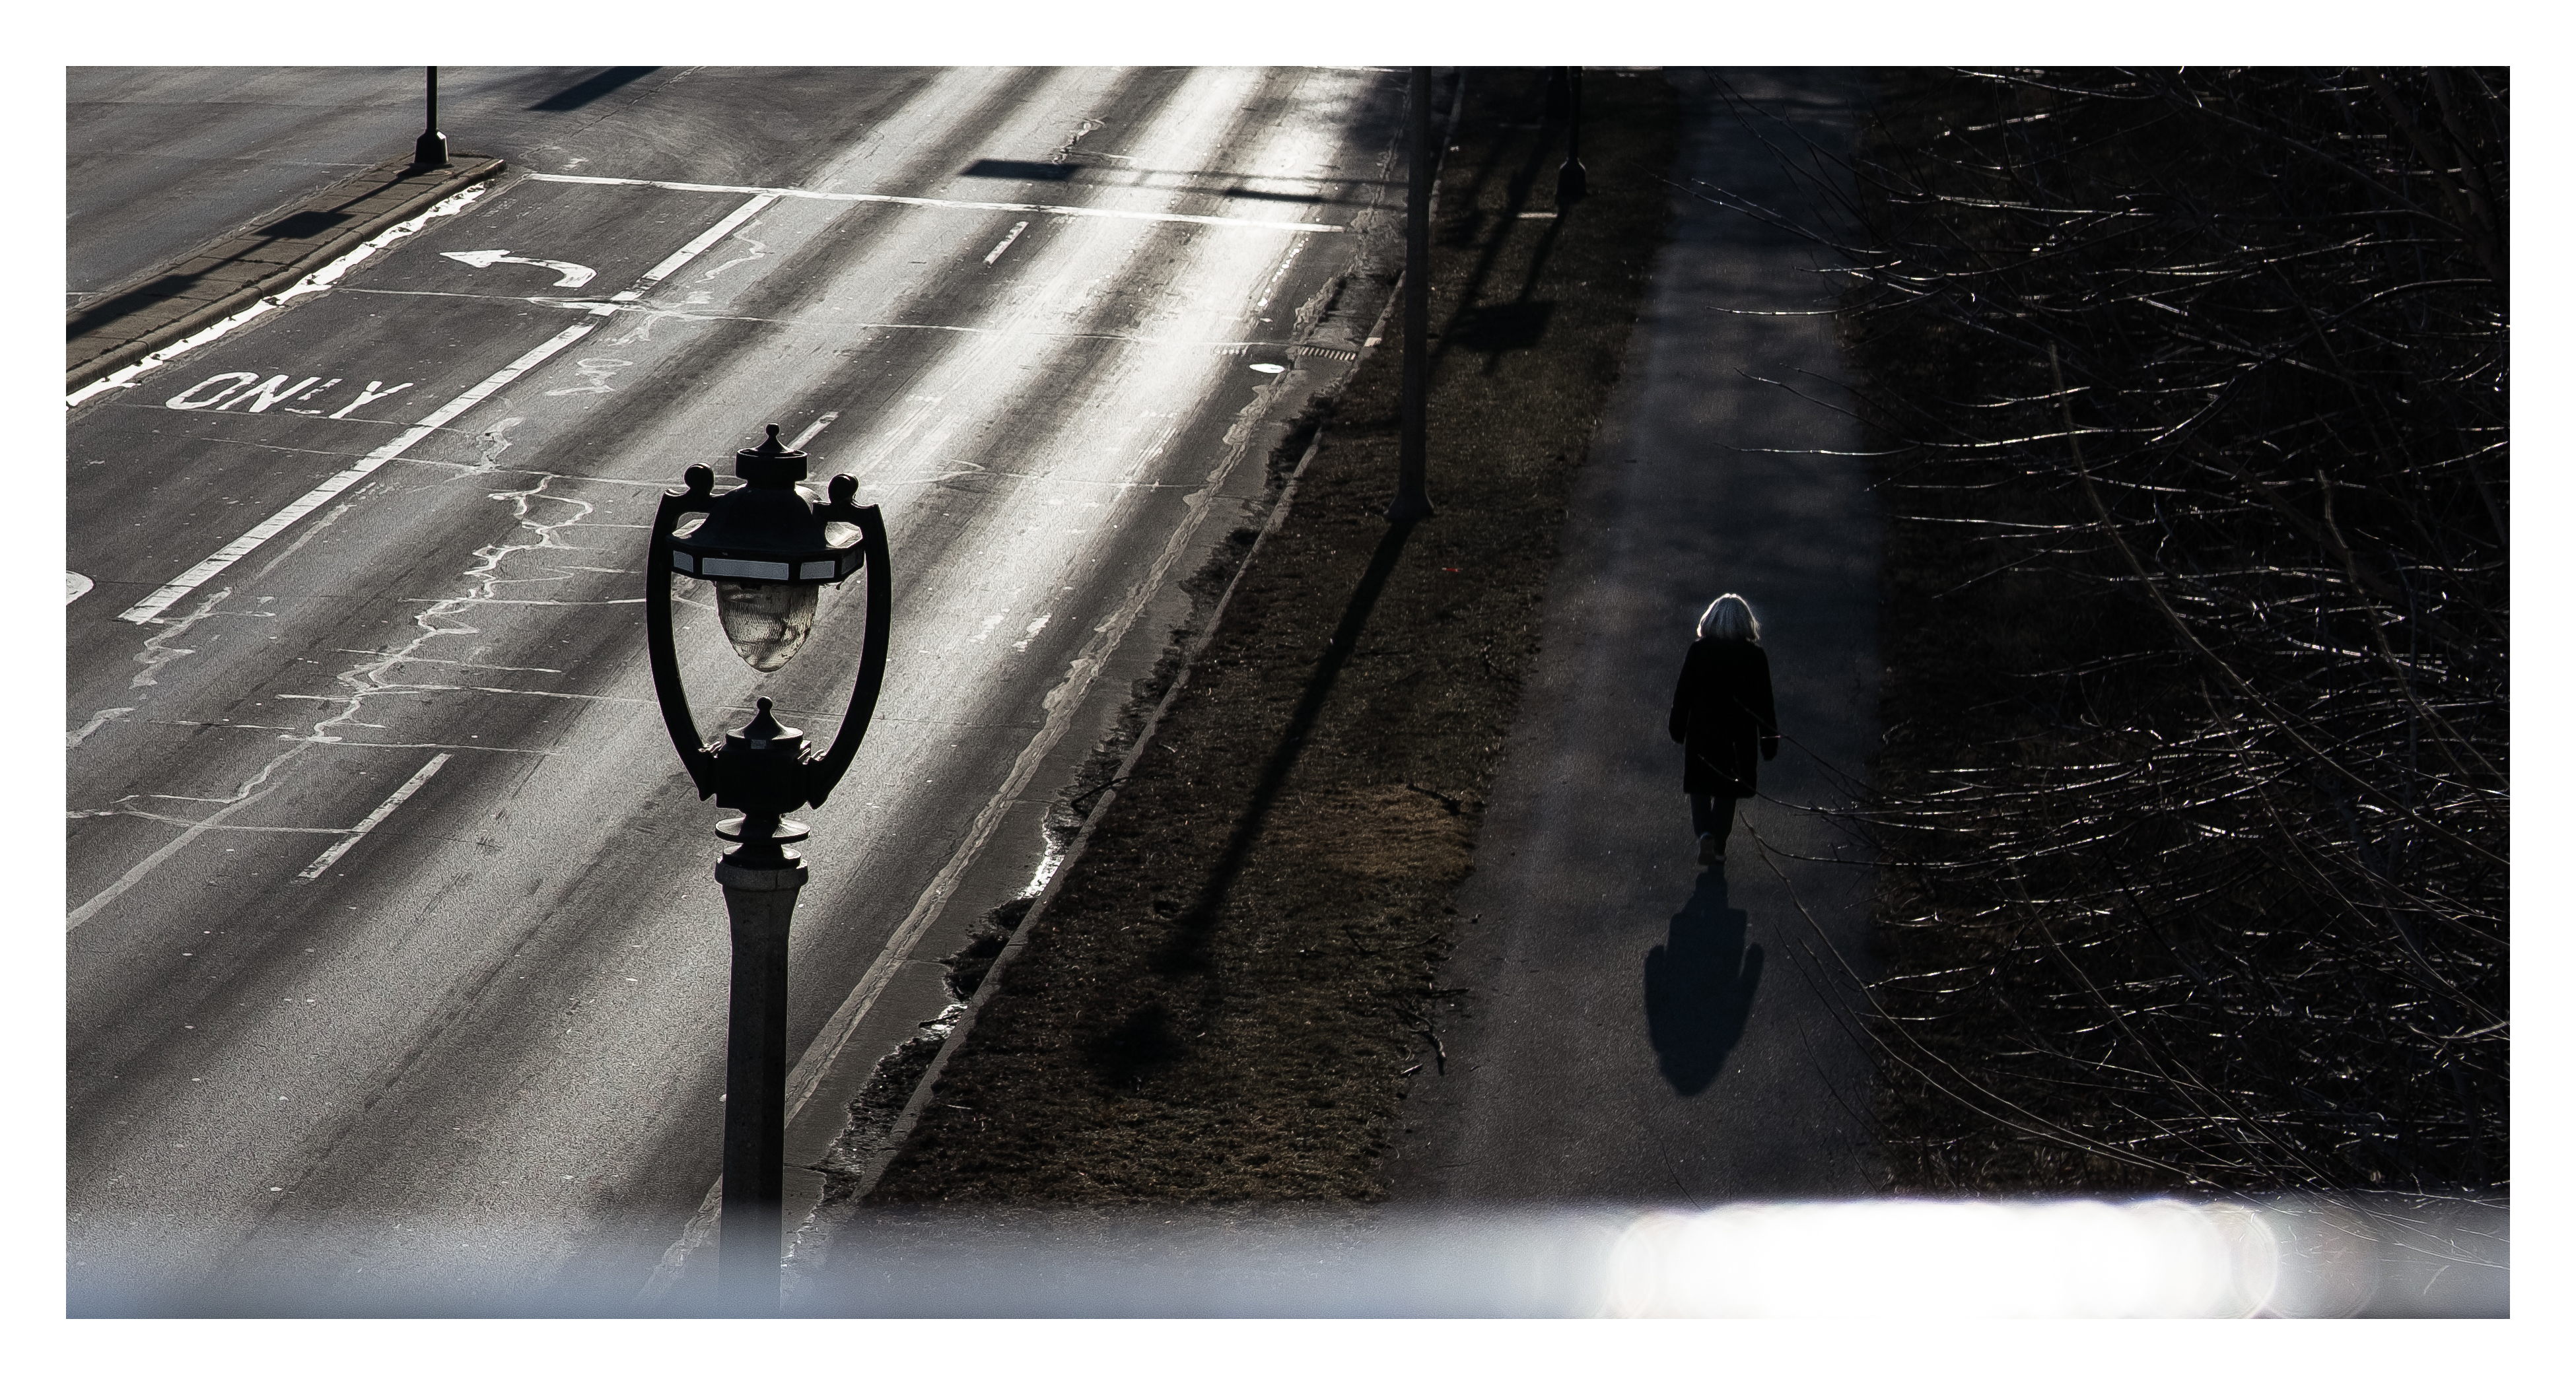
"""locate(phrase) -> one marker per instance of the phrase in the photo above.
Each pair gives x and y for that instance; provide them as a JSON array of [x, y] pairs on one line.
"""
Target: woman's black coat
[[1721, 710]]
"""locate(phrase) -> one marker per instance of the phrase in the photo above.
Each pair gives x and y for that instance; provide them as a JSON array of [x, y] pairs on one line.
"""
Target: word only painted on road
[[245, 388]]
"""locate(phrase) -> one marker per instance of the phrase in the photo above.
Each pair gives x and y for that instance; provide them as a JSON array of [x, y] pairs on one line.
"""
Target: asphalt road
[[166, 159], [1637, 1029], [391, 913]]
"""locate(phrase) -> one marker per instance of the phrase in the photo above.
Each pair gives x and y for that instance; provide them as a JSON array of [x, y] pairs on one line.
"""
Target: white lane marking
[[250, 793], [698, 247], [383, 810], [142, 612], [759, 251], [818, 425], [374, 391], [1006, 242], [78, 586], [152, 606], [315, 282], [302, 539], [105, 716], [263, 397], [246, 388], [574, 275], [186, 398], [1050, 209]]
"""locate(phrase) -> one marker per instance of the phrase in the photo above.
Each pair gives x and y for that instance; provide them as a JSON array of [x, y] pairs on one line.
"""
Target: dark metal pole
[[1412, 501], [1569, 175], [430, 150], [760, 879], [761, 770]]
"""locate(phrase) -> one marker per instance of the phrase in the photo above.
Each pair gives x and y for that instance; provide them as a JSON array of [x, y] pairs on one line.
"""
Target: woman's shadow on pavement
[[1699, 986]]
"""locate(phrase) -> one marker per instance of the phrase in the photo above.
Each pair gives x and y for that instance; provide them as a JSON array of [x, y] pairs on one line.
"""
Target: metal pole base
[[1569, 183], [761, 901], [429, 151]]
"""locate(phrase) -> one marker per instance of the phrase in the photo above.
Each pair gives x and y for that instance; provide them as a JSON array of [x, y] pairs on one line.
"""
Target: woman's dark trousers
[[1712, 816]]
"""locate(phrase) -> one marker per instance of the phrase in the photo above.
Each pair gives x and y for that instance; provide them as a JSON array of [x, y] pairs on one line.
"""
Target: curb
[[900, 1133], [230, 275]]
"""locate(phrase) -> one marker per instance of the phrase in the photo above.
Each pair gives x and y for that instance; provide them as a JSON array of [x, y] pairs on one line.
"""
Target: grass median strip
[[1223, 996]]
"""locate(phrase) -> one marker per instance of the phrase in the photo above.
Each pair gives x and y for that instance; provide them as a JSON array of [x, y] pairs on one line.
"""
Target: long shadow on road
[[1699, 986]]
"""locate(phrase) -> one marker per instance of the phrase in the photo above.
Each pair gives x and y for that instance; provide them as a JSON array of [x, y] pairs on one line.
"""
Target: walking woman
[[1721, 712]]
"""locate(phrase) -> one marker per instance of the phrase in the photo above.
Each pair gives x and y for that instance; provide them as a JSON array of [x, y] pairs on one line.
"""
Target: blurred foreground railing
[[1876, 1259]]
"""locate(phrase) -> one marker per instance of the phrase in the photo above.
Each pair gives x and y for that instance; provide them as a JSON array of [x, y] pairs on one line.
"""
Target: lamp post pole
[[761, 878], [1412, 499], [769, 546], [430, 150], [1569, 175]]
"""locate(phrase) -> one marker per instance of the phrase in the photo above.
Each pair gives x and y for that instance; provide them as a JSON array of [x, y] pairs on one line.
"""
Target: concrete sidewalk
[[1634, 1029]]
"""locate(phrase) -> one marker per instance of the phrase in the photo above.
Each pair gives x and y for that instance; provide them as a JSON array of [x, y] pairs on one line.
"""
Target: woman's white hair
[[1730, 617]]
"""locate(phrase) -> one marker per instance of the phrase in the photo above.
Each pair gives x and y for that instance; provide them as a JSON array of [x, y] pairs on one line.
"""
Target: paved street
[[390, 908], [166, 159], [1637, 1029]]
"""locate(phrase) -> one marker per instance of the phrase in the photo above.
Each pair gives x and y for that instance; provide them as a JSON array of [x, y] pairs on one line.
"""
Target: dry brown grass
[[1223, 998]]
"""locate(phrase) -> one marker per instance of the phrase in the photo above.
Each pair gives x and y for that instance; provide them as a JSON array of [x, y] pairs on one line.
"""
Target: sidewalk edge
[[468, 171]]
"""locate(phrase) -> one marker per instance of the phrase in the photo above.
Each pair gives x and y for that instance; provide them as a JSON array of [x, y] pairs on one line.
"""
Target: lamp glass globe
[[766, 621]]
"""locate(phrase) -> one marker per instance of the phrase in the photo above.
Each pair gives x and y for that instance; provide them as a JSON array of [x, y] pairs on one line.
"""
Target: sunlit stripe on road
[[383, 810], [1050, 209]]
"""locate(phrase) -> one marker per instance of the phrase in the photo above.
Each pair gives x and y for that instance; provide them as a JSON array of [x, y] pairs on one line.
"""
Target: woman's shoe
[[1708, 848]]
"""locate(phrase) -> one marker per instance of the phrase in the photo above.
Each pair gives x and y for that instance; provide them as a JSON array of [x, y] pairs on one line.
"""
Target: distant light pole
[[769, 546], [430, 150], [1569, 175], [1412, 500]]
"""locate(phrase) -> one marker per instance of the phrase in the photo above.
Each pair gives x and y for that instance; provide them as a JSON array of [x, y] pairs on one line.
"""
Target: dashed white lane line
[[150, 607], [820, 423], [1016, 228], [383, 810], [1049, 209]]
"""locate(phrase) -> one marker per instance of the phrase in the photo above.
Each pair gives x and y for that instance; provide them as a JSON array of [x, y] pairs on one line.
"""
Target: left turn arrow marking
[[574, 275]]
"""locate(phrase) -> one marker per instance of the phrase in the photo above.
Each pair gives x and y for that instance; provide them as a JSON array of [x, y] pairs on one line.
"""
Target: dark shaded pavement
[[1633, 1028]]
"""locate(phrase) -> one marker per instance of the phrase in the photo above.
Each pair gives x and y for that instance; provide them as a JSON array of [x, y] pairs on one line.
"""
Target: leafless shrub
[[2193, 389]]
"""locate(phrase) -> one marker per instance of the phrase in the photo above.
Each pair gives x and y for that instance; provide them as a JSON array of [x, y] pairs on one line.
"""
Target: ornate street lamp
[[769, 546]]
